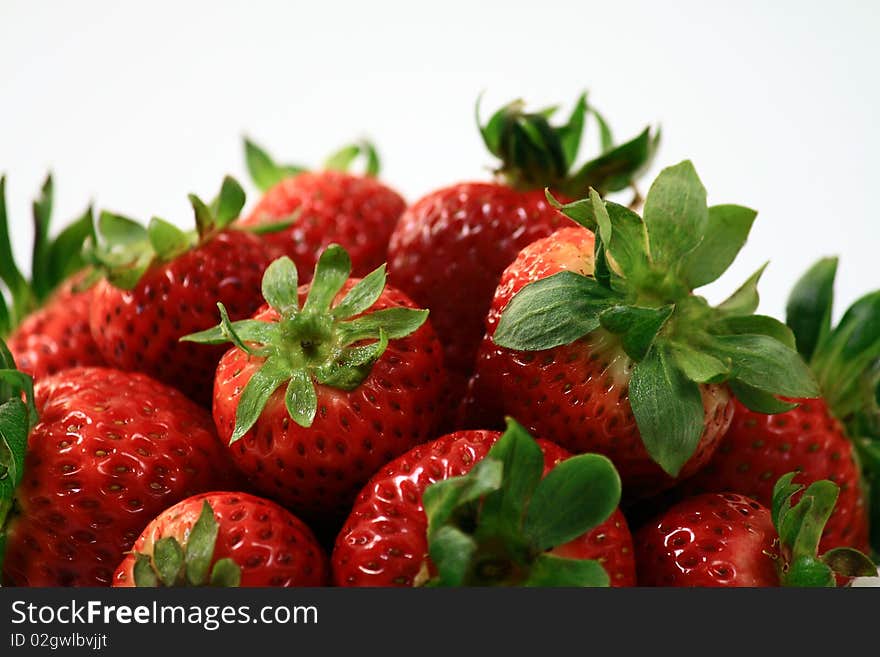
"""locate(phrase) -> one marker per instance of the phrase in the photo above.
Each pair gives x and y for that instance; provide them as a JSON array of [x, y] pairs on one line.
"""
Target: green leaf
[[397, 322], [849, 562], [697, 365], [14, 430], [808, 311], [256, 393], [745, 300], [578, 494], [756, 325], [42, 213], [668, 409], [616, 169], [144, 575], [245, 330], [300, 399], [353, 366], [552, 571], [280, 285], [200, 546], [626, 241], [342, 159], [226, 573], [167, 240], [676, 214], [65, 252], [362, 296], [451, 551], [168, 560], [552, 311], [441, 499], [765, 363], [758, 400], [205, 220], [637, 326], [727, 228], [522, 464], [228, 204], [331, 272], [264, 171]]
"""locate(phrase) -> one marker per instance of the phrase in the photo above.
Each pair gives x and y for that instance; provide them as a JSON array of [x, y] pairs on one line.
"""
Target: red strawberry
[[110, 451], [231, 539], [600, 344], [809, 438], [388, 537], [727, 539], [325, 385], [163, 284], [325, 207], [48, 320], [450, 247]]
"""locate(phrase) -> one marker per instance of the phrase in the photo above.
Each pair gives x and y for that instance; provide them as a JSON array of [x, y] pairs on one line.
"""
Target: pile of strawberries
[[509, 382]]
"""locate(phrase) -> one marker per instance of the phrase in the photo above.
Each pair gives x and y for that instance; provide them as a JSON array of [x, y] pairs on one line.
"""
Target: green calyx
[[496, 525], [321, 342], [53, 259], [641, 293], [266, 172], [846, 360], [536, 154], [800, 529], [17, 417], [123, 249], [173, 564]]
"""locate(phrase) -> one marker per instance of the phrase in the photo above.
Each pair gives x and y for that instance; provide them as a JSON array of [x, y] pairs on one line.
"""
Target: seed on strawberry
[[306, 211], [224, 539], [450, 247], [597, 342], [47, 321], [87, 462], [728, 539], [811, 435], [162, 283], [325, 385]]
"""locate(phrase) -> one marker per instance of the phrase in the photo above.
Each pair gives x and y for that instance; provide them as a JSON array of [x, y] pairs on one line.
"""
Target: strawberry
[[485, 508], [599, 344], [450, 247], [162, 283], [48, 320], [229, 539], [320, 208], [728, 539], [325, 384], [808, 435], [109, 451]]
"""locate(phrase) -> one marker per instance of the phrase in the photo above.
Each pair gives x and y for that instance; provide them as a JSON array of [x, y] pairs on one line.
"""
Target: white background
[[133, 105]]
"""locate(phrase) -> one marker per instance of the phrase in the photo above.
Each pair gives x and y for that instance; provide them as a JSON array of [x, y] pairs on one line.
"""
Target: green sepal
[[755, 325], [758, 400], [552, 311], [362, 295], [226, 573], [548, 570], [808, 311], [65, 252], [42, 214], [574, 497], [167, 240], [726, 231], [697, 365], [300, 398], [200, 546], [397, 322], [168, 560], [451, 551], [261, 385], [616, 168], [353, 365], [625, 237], [668, 409], [280, 285], [264, 171], [849, 562], [637, 327], [227, 206], [808, 572], [9, 273], [331, 272], [744, 301], [144, 573], [241, 331], [342, 159], [443, 499]]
